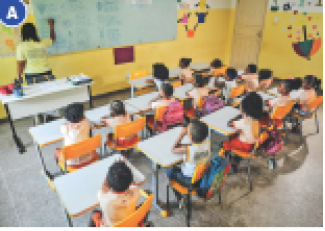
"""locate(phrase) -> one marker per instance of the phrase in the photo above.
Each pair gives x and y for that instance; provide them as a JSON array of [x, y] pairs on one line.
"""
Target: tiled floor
[[292, 195]]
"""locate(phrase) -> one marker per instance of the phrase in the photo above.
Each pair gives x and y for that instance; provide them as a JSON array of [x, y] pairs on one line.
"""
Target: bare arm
[[52, 32], [178, 148], [20, 68]]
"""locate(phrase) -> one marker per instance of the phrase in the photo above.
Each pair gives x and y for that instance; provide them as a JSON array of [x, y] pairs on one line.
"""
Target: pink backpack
[[212, 104], [274, 144], [174, 115]]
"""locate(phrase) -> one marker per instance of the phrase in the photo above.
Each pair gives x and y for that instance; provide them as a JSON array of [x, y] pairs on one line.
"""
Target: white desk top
[[140, 82], [180, 92], [78, 190], [159, 148], [174, 72], [199, 66], [94, 115], [219, 120], [39, 89], [263, 95], [295, 94], [47, 133], [142, 102]]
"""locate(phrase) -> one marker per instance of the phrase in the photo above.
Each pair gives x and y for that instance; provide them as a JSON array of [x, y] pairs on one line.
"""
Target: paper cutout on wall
[[320, 3], [292, 19], [124, 55], [179, 0], [298, 38], [295, 12], [184, 5], [275, 7], [310, 18], [302, 3], [310, 35], [201, 17], [202, 4], [283, 28], [191, 32], [298, 32], [305, 13], [314, 27], [6, 29], [9, 39], [276, 19], [289, 27], [290, 36], [10, 43], [308, 47], [286, 7], [185, 18]]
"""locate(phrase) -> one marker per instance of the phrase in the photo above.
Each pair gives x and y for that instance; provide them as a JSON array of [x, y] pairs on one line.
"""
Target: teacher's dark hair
[[28, 32]]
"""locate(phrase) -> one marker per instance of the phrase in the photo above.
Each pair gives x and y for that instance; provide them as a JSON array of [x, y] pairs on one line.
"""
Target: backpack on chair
[[174, 115], [274, 144], [211, 104]]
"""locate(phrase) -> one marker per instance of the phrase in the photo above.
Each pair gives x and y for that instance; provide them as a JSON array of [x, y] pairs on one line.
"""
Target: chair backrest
[[220, 70], [159, 112], [82, 148], [130, 128], [316, 103], [135, 218], [138, 74], [262, 139], [177, 84], [237, 91], [199, 171], [281, 111], [201, 103]]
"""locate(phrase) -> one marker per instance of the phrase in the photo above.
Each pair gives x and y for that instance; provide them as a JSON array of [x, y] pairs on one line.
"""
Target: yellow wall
[[277, 52], [208, 43]]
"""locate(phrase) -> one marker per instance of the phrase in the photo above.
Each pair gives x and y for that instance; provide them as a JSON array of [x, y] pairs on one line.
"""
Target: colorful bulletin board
[[9, 39]]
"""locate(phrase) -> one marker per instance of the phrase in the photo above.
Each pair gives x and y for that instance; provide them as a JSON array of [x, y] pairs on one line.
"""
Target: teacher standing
[[32, 54]]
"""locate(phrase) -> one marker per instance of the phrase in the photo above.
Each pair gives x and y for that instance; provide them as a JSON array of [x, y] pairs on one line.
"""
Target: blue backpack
[[214, 177]]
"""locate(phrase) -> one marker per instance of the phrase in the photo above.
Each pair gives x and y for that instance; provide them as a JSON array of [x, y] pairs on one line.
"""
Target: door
[[248, 30]]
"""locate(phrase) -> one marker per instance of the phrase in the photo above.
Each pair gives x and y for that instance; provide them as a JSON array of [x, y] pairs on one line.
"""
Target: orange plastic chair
[[249, 155], [314, 105], [139, 215], [138, 74], [177, 84], [79, 149], [220, 71], [125, 131], [157, 119], [189, 191], [237, 91]]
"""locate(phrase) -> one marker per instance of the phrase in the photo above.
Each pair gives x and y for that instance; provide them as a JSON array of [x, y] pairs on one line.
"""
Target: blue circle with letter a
[[12, 12]]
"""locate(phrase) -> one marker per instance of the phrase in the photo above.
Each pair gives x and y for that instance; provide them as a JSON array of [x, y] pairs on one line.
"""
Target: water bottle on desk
[[18, 89]]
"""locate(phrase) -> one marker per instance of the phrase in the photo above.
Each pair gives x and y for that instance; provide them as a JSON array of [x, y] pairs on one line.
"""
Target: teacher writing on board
[[32, 54]]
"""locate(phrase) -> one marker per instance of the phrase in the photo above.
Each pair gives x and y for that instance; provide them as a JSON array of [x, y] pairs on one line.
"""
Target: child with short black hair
[[251, 78], [160, 75], [200, 89], [186, 74], [165, 96], [248, 127], [118, 197], [265, 77], [77, 129], [229, 83], [193, 154]]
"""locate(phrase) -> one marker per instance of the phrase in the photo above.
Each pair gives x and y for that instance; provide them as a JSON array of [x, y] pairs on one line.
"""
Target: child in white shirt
[[76, 130], [201, 90], [229, 83]]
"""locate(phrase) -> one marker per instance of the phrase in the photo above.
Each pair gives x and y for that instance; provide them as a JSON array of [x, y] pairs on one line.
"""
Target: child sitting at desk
[[265, 78], [229, 83], [119, 116], [76, 130], [186, 74], [248, 127], [284, 90], [251, 78], [164, 98], [193, 153], [160, 75], [118, 197], [306, 97], [200, 90]]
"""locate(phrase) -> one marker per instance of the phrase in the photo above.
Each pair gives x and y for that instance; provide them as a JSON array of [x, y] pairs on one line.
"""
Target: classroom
[[161, 113]]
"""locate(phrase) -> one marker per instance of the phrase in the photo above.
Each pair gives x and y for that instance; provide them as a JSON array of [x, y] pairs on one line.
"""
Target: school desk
[[199, 66], [43, 97], [78, 190], [142, 103], [49, 133], [295, 94], [180, 92], [263, 95], [218, 121], [173, 72], [139, 83], [159, 150]]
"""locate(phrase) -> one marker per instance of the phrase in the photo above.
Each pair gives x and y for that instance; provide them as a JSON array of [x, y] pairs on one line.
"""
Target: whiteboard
[[92, 24]]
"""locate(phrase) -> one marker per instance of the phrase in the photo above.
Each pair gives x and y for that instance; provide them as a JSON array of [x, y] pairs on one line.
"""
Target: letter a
[[12, 13]]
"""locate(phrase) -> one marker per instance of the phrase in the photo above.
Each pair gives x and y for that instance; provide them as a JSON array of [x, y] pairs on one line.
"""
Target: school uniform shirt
[[265, 84], [118, 120], [251, 81], [280, 101], [229, 85], [160, 103], [116, 207], [35, 55], [306, 98], [187, 74], [197, 93], [75, 133], [245, 125], [211, 72], [195, 154]]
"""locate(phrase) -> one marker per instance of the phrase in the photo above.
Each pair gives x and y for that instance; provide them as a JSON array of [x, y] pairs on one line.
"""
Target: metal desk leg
[[47, 174], [17, 140], [155, 189], [132, 91], [90, 98], [68, 218]]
